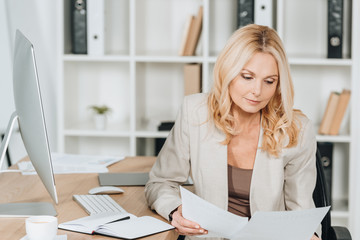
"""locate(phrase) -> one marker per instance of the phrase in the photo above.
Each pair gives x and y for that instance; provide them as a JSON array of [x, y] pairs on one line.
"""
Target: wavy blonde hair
[[278, 118]]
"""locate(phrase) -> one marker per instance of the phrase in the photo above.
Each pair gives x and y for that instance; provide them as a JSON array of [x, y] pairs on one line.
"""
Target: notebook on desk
[[127, 179]]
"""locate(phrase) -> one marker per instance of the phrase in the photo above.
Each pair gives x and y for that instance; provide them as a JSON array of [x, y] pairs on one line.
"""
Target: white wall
[[37, 20]]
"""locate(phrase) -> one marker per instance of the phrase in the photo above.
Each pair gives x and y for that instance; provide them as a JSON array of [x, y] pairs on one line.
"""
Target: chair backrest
[[321, 196]]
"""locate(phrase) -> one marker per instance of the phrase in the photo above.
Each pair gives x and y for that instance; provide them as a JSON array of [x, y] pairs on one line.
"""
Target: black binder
[[159, 142], [335, 28], [78, 26], [245, 12], [326, 152]]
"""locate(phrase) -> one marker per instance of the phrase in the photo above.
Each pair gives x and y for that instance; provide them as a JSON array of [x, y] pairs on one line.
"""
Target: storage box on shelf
[[141, 77]]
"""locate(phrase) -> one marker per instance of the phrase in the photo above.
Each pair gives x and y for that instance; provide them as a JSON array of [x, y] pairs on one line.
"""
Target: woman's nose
[[256, 88]]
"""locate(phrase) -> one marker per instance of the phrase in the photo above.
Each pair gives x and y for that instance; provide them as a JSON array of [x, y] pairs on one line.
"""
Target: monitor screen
[[29, 113]]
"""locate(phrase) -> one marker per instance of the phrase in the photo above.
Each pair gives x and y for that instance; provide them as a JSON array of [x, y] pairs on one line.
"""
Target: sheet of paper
[[218, 222], [280, 225], [74, 163], [284, 225]]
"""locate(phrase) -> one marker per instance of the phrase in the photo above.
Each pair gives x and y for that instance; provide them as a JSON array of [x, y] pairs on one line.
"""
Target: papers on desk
[[120, 225], [281, 225], [74, 163]]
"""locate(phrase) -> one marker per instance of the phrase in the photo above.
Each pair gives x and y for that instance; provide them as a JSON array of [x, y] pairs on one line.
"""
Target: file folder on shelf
[[95, 27], [335, 28], [78, 27]]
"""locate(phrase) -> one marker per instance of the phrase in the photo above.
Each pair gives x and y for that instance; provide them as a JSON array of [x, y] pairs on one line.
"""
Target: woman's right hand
[[184, 226]]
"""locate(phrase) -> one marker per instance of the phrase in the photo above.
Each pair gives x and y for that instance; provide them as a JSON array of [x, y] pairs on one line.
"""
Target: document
[[279, 225], [74, 163], [120, 225]]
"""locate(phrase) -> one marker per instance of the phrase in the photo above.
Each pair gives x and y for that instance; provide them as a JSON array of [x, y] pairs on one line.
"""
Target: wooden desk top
[[15, 187]]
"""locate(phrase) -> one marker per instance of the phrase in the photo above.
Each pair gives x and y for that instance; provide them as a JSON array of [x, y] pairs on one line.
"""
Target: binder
[[245, 12], [326, 152], [159, 142], [263, 13], [78, 27], [335, 28], [95, 27]]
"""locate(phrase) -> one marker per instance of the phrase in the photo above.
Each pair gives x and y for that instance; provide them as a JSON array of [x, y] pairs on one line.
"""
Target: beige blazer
[[194, 148]]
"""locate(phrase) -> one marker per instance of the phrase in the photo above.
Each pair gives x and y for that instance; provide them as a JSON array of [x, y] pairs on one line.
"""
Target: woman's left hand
[[314, 237]]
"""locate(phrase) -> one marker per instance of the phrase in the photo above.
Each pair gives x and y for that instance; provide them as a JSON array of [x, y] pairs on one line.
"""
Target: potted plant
[[100, 115]]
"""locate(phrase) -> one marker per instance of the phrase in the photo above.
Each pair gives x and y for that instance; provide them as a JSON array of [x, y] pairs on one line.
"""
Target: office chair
[[321, 199]]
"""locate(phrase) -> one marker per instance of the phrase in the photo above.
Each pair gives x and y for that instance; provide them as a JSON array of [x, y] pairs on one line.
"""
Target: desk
[[15, 187]]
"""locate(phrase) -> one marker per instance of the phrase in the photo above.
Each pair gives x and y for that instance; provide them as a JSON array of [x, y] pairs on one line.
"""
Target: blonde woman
[[243, 144]]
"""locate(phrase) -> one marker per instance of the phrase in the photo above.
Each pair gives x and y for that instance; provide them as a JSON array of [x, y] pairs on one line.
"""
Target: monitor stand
[[20, 209], [27, 209]]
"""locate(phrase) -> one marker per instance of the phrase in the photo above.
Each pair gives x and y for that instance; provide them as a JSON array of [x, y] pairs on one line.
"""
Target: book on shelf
[[186, 34], [340, 112], [329, 113], [119, 225], [191, 35], [192, 78]]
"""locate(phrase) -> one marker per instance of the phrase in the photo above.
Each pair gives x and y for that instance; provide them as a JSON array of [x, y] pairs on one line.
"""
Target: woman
[[243, 144]]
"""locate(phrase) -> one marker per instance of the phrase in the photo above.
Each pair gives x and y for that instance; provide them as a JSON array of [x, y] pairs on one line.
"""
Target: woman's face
[[253, 88]]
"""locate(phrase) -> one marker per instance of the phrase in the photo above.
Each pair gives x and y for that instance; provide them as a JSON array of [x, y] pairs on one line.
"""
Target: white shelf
[[334, 139], [86, 58], [169, 59], [152, 134], [96, 133], [306, 61]]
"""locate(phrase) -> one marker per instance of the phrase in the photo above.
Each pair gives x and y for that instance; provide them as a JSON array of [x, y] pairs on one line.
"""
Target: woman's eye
[[269, 81], [247, 77]]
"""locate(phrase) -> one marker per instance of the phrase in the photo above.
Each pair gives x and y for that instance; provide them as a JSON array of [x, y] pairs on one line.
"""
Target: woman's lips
[[252, 101]]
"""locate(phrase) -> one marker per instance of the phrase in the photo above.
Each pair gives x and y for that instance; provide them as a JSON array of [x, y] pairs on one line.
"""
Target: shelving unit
[[141, 78]]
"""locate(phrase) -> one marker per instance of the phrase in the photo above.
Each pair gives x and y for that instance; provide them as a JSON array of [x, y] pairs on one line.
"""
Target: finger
[[187, 230], [190, 234]]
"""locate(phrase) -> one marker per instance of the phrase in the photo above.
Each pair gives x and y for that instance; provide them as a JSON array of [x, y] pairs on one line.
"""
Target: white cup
[[41, 227]]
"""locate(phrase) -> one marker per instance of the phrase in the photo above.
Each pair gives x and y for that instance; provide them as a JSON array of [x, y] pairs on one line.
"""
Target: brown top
[[239, 190]]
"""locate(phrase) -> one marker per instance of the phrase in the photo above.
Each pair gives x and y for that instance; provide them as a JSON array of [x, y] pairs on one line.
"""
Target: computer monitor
[[30, 116]]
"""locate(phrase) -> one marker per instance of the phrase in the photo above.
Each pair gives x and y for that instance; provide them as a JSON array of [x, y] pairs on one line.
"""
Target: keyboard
[[94, 204]]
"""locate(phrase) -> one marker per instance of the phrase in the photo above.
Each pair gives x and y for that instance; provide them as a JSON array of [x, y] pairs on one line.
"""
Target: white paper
[[74, 163], [294, 225], [218, 222], [280, 225]]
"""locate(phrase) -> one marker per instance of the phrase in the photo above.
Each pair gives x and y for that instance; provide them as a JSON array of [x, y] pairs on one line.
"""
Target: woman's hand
[[184, 226], [314, 237]]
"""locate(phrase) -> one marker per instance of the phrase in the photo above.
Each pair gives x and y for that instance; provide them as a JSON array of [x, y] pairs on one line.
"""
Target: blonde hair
[[278, 117]]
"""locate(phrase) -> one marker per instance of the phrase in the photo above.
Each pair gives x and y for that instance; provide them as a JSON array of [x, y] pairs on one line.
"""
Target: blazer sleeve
[[300, 171], [171, 168]]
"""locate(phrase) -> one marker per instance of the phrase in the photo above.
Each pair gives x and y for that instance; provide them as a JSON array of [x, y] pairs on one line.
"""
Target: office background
[[37, 19], [42, 22]]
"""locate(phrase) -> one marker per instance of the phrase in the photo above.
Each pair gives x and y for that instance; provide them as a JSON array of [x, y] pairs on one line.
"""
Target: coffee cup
[[41, 227]]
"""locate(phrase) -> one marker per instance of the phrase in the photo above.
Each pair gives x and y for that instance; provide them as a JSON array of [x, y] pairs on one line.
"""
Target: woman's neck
[[245, 121]]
